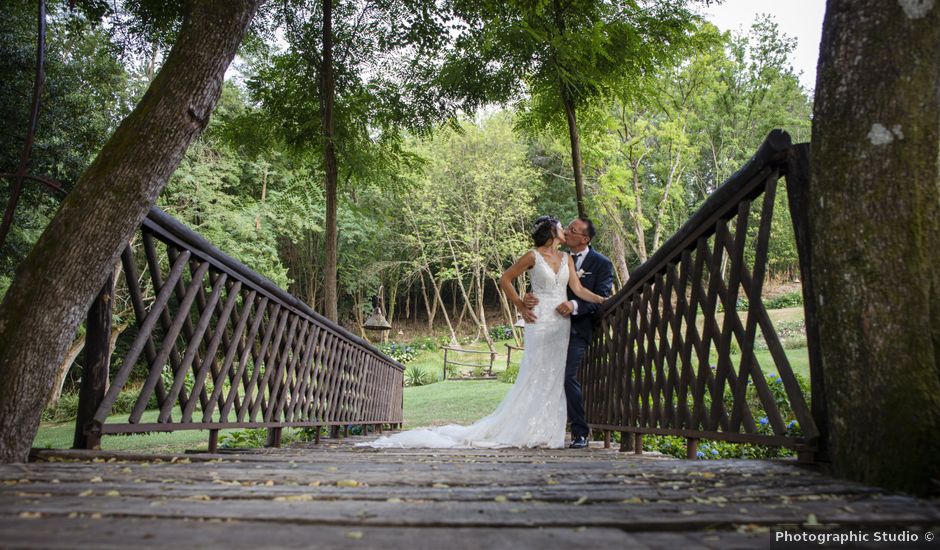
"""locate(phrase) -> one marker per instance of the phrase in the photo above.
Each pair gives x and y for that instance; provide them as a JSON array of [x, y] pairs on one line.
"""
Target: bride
[[533, 412]]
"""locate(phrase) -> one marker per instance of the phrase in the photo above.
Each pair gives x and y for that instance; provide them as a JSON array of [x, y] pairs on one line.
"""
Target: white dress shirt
[[577, 267]]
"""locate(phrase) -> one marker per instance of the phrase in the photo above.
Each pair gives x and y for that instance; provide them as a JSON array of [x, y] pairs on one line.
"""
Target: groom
[[597, 275]]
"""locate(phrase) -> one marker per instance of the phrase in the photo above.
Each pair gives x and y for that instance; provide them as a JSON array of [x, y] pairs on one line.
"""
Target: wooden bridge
[[218, 346], [332, 495]]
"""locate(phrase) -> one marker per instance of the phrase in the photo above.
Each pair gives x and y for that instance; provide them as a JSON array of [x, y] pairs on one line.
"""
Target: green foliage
[[509, 375], [553, 52], [501, 332], [66, 409], [248, 438], [790, 299], [86, 93], [401, 352], [253, 438], [418, 376], [426, 343]]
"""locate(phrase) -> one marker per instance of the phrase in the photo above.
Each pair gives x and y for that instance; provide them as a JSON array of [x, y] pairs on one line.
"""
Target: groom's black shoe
[[578, 443]]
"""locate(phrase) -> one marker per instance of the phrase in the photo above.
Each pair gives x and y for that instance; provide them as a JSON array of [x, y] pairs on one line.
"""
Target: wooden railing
[[449, 352], [219, 346], [664, 360]]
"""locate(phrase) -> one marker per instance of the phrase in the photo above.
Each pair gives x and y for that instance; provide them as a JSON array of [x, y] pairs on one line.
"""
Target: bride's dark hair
[[544, 229]]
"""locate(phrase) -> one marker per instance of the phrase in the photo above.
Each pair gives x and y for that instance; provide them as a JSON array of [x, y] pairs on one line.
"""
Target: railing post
[[626, 442], [691, 448], [97, 363], [638, 443], [799, 195], [445, 364], [274, 438], [213, 441]]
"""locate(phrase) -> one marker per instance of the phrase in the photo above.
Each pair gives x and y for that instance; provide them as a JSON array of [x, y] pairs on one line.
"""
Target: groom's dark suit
[[597, 275]]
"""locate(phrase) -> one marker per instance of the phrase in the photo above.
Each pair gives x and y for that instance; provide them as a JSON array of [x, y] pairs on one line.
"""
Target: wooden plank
[[168, 532]]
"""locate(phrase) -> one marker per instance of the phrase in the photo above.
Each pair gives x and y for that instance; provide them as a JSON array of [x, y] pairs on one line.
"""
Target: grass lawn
[[59, 436], [452, 401]]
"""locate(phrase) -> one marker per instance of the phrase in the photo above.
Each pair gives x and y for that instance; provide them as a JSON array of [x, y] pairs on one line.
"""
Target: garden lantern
[[376, 321]]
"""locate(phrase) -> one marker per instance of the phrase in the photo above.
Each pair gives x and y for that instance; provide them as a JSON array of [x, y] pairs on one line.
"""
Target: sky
[[800, 19]]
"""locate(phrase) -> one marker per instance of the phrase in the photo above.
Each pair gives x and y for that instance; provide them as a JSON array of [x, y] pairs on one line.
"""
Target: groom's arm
[[602, 284]]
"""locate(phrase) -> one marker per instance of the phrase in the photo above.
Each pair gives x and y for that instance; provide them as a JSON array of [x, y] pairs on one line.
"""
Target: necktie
[[577, 257]]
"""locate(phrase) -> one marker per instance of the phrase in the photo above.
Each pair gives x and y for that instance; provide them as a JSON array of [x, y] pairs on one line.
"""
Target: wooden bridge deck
[[333, 495]]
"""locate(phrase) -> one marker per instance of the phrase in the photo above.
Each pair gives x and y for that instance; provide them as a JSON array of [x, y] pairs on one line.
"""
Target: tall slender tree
[[327, 91], [559, 55], [358, 68], [875, 223]]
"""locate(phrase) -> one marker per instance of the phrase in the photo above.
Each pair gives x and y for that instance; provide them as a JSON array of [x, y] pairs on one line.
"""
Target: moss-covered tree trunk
[[876, 238], [55, 284]]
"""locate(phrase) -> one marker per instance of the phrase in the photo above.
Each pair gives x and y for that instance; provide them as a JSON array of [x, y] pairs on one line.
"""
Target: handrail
[[649, 370], [719, 205], [158, 220], [220, 340]]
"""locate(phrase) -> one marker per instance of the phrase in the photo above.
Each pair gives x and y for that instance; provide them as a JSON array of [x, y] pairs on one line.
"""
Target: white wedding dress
[[534, 411]]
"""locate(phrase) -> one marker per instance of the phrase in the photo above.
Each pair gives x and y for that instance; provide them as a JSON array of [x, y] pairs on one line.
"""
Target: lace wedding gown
[[533, 413]]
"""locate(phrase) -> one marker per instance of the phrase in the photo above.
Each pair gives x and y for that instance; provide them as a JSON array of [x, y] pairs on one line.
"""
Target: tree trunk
[[482, 312], [427, 302], [440, 301], [330, 297], [875, 230], [637, 215], [264, 195], [573, 136], [63, 369], [57, 281], [620, 258]]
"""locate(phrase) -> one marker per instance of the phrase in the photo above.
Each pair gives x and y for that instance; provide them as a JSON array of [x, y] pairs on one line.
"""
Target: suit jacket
[[598, 277]]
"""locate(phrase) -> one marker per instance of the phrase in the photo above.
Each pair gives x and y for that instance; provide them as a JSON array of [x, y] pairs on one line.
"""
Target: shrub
[[741, 305], [244, 439], [66, 409], [501, 332], [252, 438], [427, 343], [417, 376], [509, 375], [790, 299], [403, 353]]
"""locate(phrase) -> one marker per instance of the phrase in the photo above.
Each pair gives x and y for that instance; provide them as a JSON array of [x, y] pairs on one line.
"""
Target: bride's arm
[[522, 265], [575, 284]]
